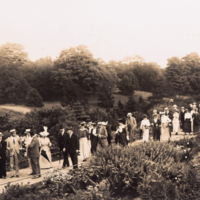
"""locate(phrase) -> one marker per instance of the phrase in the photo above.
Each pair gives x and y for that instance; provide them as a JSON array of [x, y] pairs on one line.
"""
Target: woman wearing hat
[[196, 121], [45, 157], [187, 122], [165, 127], [175, 122], [94, 138], [3, 146], [145, 124], [121, 133]]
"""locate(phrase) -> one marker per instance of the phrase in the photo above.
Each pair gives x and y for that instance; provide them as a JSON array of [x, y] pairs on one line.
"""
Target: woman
[[121, 132], [196, 121], [187, 122], [165, 127], [175, 122], [145, 124], [94, 138], [3, 146], [45, 157], [156, 127]]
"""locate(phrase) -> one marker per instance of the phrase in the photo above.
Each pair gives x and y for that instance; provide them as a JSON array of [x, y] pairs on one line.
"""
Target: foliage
[[33, 98], [131, 104]]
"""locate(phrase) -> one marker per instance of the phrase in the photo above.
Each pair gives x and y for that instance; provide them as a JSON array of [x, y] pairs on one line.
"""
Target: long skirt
[[84, 147], [156, 134], [45, 157], [175, 127], [122, 138], [187, 126], [145, 135], [165, 133], [2, 167]]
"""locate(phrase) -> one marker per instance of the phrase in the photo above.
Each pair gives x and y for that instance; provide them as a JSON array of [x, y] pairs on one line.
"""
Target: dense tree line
[[75, 74]]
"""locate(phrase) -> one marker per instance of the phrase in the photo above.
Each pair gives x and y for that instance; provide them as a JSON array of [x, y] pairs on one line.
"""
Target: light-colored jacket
[[13, 147]]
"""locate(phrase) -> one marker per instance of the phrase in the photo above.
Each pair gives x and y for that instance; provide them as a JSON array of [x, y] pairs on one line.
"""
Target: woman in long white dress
[[165, 127], [145, 124], [45, 153], [175, 122]]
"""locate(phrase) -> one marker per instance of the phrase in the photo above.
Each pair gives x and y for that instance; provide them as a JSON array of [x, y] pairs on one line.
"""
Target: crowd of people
[[85, 141]]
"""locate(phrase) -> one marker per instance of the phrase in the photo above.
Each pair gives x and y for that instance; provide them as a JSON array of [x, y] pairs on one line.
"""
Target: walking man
[[13, 145], [63, 138], [131, 125], [34, 154], [72, 146]]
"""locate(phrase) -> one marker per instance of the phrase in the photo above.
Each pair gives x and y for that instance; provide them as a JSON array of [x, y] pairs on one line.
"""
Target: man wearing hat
[[3, 145], [131, 125], [63, 137], [13, 145], [94, 138], [72, 146], [34, 154], [83, 138]]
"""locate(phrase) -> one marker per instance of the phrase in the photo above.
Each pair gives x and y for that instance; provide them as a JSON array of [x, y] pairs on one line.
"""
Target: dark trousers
[[2, 168], [74, 159], [94, 142], [65, 161], [35, 166]]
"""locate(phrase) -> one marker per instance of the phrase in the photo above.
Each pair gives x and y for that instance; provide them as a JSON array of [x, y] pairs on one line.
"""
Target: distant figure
[[169, 114], [187, 122], [72, 146], [175, 122], [131, 125], [83, 139], [102, 135], [121, 133], [94, 138], [63, 138], [13, 145], [182, 117], [28, 139], [34, 154], [3, 146], [145, 124], [165, 127], [156, 124], [45, 153], [195, 117]]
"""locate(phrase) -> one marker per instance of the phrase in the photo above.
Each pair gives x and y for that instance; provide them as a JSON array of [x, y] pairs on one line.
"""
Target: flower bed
[[151, 170]]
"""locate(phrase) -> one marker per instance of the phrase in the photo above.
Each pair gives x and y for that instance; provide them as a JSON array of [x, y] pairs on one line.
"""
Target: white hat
[[166, 108], [1, 134], [99, 123], [104, 123], [13, 130], [174, 106], [44, 133], [27, 130], [129, 114], [162, 113]]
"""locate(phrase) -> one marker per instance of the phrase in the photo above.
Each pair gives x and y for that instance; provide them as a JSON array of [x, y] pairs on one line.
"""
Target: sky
[[112, 29]]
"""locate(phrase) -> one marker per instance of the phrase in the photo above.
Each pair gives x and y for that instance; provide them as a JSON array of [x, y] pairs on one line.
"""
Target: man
[[63, 138], [94, 138], [83, 138], [34, 154], [170, 116], [13, 145], [27, 141], [182, 114], [131, 125], [102, 134], [72, 146]]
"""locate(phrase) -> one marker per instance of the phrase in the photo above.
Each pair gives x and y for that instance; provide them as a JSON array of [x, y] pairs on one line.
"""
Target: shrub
[[33, 98]]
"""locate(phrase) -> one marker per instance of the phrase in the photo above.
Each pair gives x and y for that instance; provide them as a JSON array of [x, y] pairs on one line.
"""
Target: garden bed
[[151, 170]]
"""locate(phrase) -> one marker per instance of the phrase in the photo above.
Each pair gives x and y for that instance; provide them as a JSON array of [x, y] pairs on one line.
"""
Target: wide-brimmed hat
[[27, 131], [1, 134], [83, 123], [174, 106], [162, 113], [94, 124], [99, 123], [44, 133], [144, 116], [104, 123], [12, 131], [166, 108], [129, 115]]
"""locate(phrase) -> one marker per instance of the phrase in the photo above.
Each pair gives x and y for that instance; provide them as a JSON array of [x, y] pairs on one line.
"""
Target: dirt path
[[15, 108]]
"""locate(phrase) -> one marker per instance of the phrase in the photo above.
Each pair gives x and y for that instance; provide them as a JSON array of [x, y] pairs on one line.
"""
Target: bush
[[33, 98]]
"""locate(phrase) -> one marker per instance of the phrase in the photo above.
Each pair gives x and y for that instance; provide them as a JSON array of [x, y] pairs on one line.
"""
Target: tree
[[131, 104], [33, 98], [128, 83], [105, 98]]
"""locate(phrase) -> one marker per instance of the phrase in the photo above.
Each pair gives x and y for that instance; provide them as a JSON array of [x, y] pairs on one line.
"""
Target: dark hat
[[120, 120], [83, 123], [144, 116], [70, 127]]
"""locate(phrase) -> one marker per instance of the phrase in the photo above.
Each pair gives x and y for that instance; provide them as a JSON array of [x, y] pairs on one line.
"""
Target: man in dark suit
[[72, 146], [63, 138], [34, 154], [170, 115]]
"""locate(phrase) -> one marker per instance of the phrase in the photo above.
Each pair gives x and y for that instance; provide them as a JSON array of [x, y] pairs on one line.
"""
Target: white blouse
[[187, 116], [145, 122], [165, 119]]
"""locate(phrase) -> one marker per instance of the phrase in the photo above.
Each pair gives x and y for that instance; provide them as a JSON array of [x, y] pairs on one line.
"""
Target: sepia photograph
[[100, 99]]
